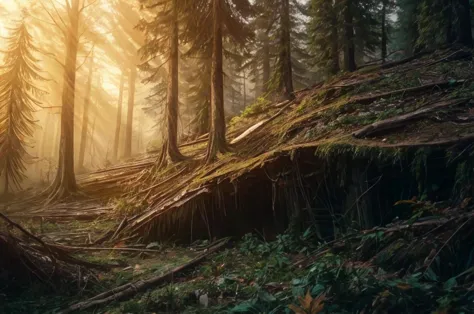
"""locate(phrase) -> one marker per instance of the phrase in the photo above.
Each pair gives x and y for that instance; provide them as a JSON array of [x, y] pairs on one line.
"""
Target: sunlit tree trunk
[[118, 123], [244, 79], [217, 140], [65, 181], [172, 96], [91, 145], [56, 137], [286, 71], [44, 136], [131, 102], [349, 50], [85, 114]]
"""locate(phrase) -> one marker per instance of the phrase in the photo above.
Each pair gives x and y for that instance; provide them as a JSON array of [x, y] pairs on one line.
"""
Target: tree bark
[[6, 187], [217, 141], [118, 123], [244, 79], [465, 27], [65, 181], [266, 63], [286, 71], [349, 50], [335, 67], [448, 16], [173, 91], [42, 150], [384, 31], [131, 101], [85, 114]]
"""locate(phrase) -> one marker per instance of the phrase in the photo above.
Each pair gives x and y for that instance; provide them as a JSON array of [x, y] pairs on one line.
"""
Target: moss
[[123, 207], [256, 108], [331, 150]]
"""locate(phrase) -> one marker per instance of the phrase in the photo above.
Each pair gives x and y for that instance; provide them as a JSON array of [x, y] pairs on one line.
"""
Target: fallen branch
[[130, 289], [261, 124], [28, 234], [88, 248], [372, 98], [399, 121]]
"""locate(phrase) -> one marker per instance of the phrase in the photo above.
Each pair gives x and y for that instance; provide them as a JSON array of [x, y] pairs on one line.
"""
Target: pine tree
[[166, 22], [348, 9], [280, 45], [18, 97], [406, 36], [118, 120], [444, 22], [198, 96], [227, 19], [323, 29], [85, 114]]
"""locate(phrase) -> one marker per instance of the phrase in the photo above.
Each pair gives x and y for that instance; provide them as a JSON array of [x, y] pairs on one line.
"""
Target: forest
[[237, 156]]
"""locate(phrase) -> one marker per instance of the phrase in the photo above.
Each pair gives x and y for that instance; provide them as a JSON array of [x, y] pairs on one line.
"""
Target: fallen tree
[[130, 289], [390, 124], [25, 258]]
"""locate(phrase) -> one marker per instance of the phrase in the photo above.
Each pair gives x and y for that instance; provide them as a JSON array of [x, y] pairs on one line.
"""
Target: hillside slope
[[341, 153]]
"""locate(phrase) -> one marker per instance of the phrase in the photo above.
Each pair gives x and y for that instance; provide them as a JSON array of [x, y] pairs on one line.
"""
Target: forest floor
[[327, 167]]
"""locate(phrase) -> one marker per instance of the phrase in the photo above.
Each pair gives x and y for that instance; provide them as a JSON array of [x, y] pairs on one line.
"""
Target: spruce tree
[[226, 19], [18, 98], [166, 21], [406, 35], [323, 30], [444, 22]]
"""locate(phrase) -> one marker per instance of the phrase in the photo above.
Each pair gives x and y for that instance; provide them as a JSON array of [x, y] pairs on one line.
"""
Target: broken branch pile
[[25, 258]]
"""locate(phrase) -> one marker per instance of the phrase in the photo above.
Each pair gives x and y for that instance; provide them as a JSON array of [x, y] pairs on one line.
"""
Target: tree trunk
[[335, 67], [217, 140], [91, 145], [85, 114], [266, 63], [118, 123], [44, 139], [244, 78], [131, 101], [286, 71], [349, 50], [465, 27], [448, 17], [173, 92], [65, 181], [6, 187], [384, 31], [55, 145]]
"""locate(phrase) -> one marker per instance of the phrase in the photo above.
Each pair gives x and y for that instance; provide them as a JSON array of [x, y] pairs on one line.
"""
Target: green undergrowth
[[257, 276]]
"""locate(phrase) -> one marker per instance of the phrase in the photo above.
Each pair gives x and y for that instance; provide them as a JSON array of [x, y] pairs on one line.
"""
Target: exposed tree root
[[130, 289], [399, 121]]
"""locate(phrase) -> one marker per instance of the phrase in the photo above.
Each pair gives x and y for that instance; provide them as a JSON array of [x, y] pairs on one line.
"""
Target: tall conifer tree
[[18, 98]]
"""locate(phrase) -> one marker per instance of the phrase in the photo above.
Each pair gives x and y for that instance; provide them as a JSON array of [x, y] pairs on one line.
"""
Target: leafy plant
[[309, 305]]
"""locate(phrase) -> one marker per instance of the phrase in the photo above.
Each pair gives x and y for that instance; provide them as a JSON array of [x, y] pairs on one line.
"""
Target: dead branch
[[88, 248], [372, 98], [399, 121], [261, 124], [130, 289]]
